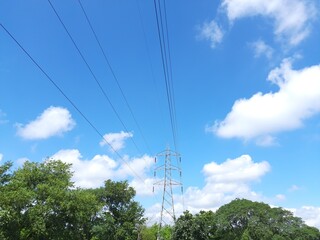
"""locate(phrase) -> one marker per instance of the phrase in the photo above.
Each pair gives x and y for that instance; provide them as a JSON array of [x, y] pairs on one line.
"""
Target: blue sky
[[246, 78]]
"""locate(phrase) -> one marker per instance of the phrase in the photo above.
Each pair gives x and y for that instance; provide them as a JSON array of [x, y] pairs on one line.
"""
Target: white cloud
[[260, 48], [21, 161], [241, 169], [115, 140], [1, 157], [136, 166], [211, 32], [143, 188], [280, 197], [266, 141], [291, 18], [88, 173], [153, 214], [294, 188], [138, 170], [93, 172], [310, 214], [225, 182], [52, 122], [262, 115]]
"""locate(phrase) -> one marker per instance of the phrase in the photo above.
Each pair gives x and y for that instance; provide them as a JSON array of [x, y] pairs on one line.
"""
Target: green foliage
[[151, 233], [39, 201], [204, 225], [32, 199], [200, 226], [4, 173], [166, 232], [120, 216], [183, 228], [243, 220]]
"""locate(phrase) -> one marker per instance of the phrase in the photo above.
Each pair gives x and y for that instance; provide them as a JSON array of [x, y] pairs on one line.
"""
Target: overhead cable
[[70, 101], [113, 74], [163, 35], [93, 75]]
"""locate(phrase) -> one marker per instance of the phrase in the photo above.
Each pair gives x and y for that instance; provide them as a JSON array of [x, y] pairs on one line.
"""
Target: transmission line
[[93, 75], [149, 58], [163, 36], [70, 101], [170, 65], [167, 182], [113, 74]]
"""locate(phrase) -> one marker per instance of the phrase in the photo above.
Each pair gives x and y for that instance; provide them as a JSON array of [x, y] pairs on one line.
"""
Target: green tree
[[149, 233], [204, 227], [39, 201], [5, 174], [244, 219], [200, 226], [120, 216], [32, 200], [166, 232], [183, 228]]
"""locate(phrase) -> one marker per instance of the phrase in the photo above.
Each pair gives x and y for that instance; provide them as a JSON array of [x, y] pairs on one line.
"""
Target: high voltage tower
[[169, 171]]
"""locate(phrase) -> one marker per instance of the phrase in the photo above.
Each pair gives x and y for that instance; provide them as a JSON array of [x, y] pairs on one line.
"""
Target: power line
[[113, 74], [170, 65], [92, 73], [149, 58], [167, 207], [70, 101], [166, 65]]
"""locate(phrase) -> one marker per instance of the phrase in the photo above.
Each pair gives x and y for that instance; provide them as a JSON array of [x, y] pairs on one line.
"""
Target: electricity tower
[[168, 172]]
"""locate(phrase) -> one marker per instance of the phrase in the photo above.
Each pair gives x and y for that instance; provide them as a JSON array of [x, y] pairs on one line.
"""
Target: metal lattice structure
[[169, 171]]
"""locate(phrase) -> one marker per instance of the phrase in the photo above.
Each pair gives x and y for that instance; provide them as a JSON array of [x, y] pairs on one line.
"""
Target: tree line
[[40, 202]]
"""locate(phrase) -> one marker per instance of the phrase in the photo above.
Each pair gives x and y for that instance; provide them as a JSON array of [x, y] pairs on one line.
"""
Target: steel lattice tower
[[170, 169]]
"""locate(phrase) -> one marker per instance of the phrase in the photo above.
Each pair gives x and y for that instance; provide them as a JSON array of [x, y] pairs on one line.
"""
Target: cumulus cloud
[[115, 141], [1, 157], [153, 214], [241, 169], [291, 18], [263, 115], [212, 32], [260, 49], [137, 169], [225, 182], [91, 173], [87, 173], [310, 214], [52, 122], [144, 188], [135, 166]]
